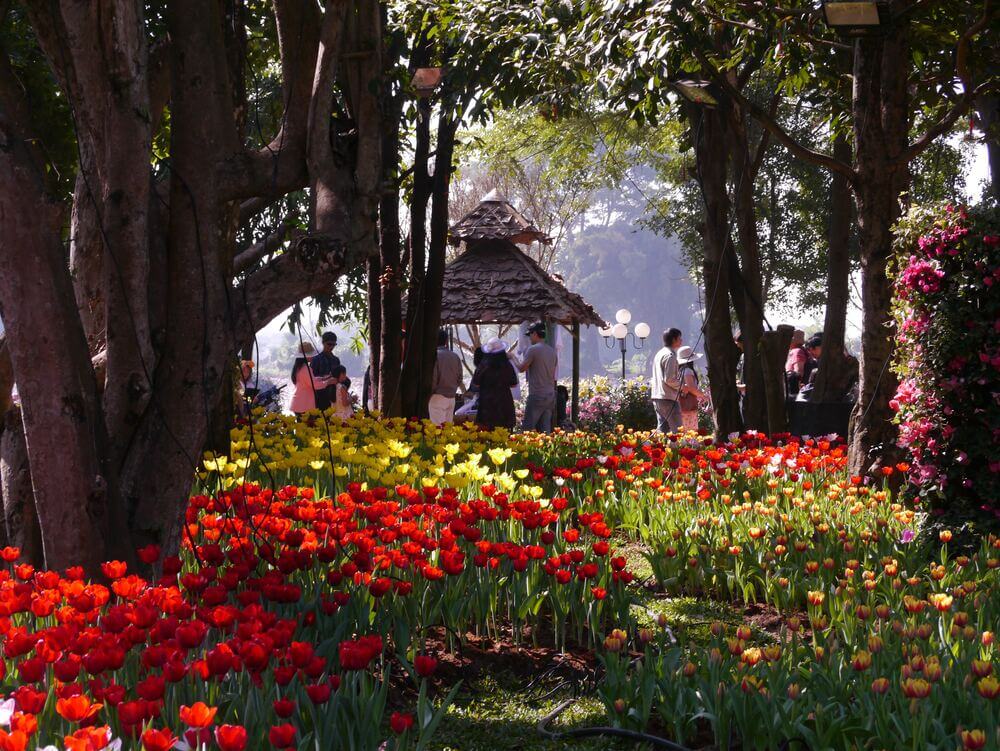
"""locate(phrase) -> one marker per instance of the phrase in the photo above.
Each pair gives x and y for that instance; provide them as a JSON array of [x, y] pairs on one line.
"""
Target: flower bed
[[309, 608]]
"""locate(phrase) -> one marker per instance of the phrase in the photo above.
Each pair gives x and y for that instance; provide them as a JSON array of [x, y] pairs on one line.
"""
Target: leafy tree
[[151, 135]]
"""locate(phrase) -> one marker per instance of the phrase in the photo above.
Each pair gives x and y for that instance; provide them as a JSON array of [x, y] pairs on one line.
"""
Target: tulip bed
[[330, 575]]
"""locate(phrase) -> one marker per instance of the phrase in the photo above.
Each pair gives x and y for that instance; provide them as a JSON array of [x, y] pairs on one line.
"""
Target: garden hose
[[597, 731]]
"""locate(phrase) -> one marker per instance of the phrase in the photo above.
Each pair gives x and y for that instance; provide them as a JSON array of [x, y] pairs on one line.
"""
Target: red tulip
[[282, 736], [400, 722], [231, 737], [158, 740], [425, 665]]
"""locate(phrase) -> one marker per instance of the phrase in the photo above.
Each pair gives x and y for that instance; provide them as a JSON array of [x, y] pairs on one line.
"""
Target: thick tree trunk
[[20, 516], [773, 351], [111, 200], [199, 343], [881, 129], [61, 410], [835, 371], [722, 353]]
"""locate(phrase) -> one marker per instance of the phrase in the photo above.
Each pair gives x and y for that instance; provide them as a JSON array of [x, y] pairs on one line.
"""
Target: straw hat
[[685, 355], [494, 345], [308, 350]]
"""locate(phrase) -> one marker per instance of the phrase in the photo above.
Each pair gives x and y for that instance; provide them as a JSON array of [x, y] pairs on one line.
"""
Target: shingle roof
[[495, 282], [495, 219]]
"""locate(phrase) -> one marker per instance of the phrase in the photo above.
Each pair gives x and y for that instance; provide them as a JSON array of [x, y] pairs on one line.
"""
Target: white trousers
[[441, 409]]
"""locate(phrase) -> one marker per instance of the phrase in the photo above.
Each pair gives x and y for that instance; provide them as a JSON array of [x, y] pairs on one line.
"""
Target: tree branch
[[271, 242], [769, 123], [965, 101], [279, 167], [319, 153], [285, 280]]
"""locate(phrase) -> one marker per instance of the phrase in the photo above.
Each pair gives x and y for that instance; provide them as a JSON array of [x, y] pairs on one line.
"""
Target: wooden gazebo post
[[575, 412]]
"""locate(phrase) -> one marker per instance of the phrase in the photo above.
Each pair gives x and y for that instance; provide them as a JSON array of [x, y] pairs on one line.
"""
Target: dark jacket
[[323, 365], [494, 378]]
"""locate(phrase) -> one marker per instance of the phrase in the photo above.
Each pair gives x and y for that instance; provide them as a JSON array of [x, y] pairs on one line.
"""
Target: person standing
[[306, 383], [540, 361], [795, 362], [342, 405], [445, 382], [323, 366], [493, 380], [666, 383], [814, 348], [690, 393]]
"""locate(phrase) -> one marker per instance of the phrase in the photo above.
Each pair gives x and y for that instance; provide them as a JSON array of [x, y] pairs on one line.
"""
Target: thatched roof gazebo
[[494, 281]]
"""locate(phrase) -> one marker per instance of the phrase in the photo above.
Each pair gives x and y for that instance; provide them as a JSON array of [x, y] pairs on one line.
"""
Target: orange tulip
[[77, 708], [198, 715], [87, 739], [16, 741]]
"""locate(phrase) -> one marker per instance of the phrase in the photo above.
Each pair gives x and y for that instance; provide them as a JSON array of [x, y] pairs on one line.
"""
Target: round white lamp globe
[[623, 316], [620, 330], [606, 331], [642, 330]]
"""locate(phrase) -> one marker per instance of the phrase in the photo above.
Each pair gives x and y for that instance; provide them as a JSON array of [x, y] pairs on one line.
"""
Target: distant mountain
[[621, 266]]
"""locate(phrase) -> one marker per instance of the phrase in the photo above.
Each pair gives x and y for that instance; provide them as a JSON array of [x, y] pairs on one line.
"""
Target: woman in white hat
[[690, 394], [305, 382], [494, 378]]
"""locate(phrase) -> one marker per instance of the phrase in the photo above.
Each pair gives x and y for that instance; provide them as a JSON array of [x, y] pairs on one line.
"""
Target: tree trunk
[[988, 111], [6, 377], [374, 329], [61, 411], [413, 363], [881, 127], [721, 351], [20, 516], [835, 370], [773, 352], [390, 244], [755, 404], [436, 250], [199, 342]]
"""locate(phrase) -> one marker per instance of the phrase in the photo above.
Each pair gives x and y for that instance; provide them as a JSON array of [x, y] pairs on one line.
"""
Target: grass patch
[[500, 712]]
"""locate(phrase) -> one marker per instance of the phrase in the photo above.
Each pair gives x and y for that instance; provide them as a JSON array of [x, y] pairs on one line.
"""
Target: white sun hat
[[686, 354]]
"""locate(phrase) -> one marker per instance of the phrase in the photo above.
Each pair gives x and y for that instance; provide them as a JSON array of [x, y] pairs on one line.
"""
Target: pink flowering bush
[[947, 312]]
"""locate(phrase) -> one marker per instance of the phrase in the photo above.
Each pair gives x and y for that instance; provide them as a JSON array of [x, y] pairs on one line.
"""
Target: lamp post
[[621, 333]]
